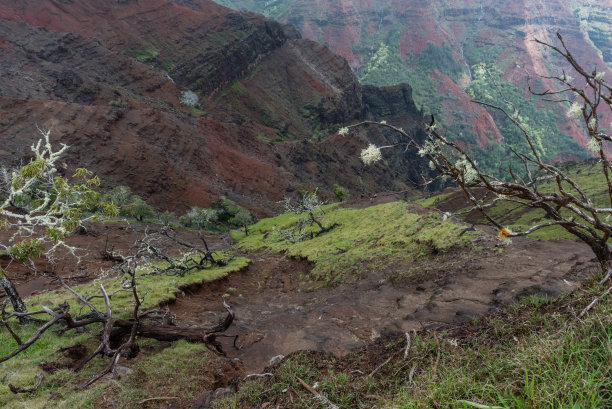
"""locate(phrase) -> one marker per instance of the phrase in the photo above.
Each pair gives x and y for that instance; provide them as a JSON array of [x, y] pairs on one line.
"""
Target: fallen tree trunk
[[170, 332]]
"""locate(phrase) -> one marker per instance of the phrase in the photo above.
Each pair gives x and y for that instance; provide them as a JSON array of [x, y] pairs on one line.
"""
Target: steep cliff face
[[301, 89], [108, 78], [203, 49], [436, 46]]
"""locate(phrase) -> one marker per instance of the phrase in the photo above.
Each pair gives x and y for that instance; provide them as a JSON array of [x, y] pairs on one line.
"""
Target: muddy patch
[[275, 315]]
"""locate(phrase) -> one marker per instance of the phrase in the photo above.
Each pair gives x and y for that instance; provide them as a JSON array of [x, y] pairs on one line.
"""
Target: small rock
[[124, 370], [374, 335], [276, 360]]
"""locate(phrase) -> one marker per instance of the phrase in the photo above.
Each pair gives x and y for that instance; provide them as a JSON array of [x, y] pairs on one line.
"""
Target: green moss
[[147, 55]]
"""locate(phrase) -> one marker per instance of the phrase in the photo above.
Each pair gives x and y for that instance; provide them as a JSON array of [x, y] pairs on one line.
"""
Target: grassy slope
[[532, 355], [371, 238], [155, 289], [521, 354], [365, 239]]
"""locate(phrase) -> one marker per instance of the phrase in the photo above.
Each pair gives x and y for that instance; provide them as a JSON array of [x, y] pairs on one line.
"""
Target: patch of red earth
[[486, 35], [371, 29], [119, 237], [83, 16], [566, 157], [169, 162], [577, 133], [483, 124], [463, 145], [4, 44], [415, 41], [244, 173], [343, 40], [514, 68], [458, 29], [342, 37], [307, 29]]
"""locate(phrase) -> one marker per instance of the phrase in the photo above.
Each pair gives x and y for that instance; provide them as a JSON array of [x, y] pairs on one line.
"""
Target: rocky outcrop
[[202, 49], [596, 23], [390, 102]]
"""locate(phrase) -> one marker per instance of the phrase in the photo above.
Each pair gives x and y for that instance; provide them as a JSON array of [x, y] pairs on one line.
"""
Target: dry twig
[[318, 396], [435, 368], [159, 398], [595, 301]]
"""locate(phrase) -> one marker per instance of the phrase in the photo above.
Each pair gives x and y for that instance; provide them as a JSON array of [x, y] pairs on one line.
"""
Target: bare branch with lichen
[[569, 205]]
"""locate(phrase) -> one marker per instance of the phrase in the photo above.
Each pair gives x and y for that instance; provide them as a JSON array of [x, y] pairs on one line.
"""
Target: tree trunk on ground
[[13, 296]]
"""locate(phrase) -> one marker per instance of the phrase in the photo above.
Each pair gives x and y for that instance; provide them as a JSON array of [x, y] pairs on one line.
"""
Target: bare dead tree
[[150, 251], [539, 184], [310, 206]]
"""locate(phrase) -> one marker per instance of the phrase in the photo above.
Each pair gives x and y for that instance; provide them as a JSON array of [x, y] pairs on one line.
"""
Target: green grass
[[176, 371], [173, 363], [23, 369], [365, 240], [163, 369], [153, 289], [533, 355], [433, 200]]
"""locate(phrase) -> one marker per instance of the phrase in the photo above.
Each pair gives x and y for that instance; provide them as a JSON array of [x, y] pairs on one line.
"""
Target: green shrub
[[118, 104], [341, 193], [129, 204], [232, 214], [199, 217], [167, 218], [138, 209]]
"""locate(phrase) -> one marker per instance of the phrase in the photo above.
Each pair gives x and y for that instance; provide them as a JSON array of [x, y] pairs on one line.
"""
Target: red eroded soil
[[97, 238], [107, 79]]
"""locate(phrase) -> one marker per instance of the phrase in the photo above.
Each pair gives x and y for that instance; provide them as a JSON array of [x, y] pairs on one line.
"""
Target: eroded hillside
[[109, 77]]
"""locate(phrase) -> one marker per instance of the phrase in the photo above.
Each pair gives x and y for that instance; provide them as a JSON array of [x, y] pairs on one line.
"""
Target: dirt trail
[[275, 315]]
